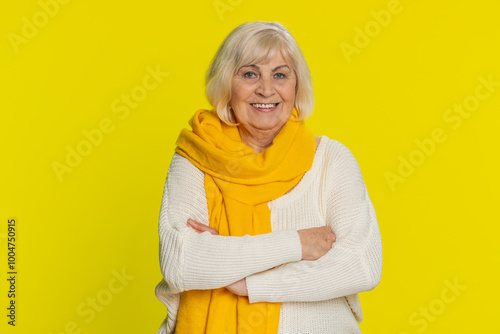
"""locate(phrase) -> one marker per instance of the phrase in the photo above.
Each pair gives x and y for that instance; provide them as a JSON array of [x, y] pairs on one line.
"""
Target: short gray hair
[[250, 43]]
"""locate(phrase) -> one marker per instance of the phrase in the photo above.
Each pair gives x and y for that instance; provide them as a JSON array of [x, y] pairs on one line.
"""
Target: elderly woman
[[264, 228]]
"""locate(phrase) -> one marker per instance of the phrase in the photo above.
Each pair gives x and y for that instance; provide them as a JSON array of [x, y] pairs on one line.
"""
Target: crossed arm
[[191, 260], [352, 265], [239, 287]]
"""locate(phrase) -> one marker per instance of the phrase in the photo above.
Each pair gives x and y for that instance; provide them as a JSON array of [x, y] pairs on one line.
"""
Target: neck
[[258, 140]]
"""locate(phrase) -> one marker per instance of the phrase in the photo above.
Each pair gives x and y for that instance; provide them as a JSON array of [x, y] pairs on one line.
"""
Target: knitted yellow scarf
[[238, 184]]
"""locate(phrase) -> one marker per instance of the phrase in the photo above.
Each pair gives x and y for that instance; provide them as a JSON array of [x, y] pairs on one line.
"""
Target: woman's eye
[[249, 74], [280, 75]]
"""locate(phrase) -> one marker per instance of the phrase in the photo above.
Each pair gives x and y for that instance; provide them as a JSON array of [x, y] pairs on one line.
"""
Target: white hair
[[251, 43]]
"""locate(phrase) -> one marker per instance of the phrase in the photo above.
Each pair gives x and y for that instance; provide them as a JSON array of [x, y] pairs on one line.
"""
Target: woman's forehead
[[268, 56]]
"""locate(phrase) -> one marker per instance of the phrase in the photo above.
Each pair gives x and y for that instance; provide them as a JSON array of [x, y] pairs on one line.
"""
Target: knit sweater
[[318, 296]]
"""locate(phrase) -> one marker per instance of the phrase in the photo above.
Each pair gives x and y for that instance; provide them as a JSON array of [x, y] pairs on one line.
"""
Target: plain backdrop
[[94, 94]]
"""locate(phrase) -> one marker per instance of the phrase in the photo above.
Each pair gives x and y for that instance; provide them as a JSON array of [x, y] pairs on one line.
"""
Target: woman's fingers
[[239, 287], [200, 228], [316, 242]]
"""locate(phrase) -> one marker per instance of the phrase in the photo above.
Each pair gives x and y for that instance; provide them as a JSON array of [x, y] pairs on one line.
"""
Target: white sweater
[[317, 297]]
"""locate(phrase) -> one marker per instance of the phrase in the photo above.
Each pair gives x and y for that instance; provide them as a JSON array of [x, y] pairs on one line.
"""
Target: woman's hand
[[316, 242], [239, 287], [200, 228]]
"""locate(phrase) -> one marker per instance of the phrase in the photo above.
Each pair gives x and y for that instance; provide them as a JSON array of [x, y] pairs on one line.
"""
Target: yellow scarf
[[238, 184]]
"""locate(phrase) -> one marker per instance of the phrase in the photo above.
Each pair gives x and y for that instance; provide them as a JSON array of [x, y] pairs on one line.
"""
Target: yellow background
[[438, 223]]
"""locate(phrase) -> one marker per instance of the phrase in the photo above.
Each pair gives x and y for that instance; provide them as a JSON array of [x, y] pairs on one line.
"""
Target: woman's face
[[263, 96]]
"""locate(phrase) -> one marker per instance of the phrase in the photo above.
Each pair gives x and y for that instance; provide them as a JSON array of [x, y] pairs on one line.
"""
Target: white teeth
[[264, 106]]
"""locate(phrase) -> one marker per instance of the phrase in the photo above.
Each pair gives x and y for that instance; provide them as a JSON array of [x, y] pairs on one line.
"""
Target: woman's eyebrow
[[257, 67]]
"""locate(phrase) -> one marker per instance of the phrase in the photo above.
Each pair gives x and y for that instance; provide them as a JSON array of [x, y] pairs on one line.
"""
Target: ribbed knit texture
[[317, 296]]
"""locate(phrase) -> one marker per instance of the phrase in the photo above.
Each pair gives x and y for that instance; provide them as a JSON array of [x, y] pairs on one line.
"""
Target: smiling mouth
[[264, 105]]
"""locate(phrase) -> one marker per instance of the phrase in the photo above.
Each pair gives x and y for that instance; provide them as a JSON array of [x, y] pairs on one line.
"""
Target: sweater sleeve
[[191, 260], [352, 265]]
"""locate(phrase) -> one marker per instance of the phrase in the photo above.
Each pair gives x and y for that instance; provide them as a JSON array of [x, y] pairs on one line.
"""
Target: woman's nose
[[265, 87]]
